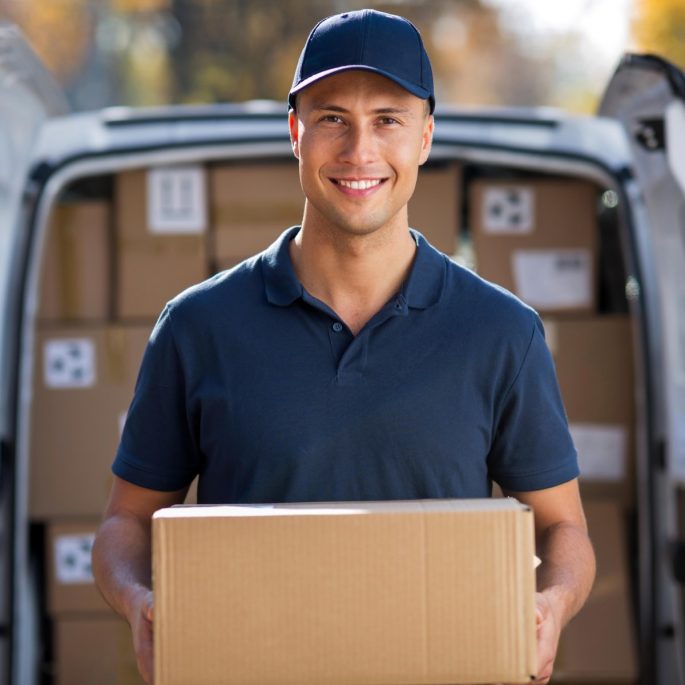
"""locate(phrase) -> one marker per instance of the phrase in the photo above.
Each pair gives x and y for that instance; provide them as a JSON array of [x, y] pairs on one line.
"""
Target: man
[[350, 360]]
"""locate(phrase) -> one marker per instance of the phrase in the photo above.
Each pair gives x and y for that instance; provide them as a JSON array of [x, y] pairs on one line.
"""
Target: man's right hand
[[141, 622]]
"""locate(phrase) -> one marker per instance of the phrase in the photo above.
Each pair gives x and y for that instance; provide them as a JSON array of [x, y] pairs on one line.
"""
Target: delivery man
[[350, 360]]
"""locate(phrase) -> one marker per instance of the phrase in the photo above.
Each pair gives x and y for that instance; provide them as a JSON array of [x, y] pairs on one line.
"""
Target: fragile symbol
[[69, 363]]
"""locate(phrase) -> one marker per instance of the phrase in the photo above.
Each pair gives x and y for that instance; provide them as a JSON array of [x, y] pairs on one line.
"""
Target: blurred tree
[[659, 27], [59, 31]]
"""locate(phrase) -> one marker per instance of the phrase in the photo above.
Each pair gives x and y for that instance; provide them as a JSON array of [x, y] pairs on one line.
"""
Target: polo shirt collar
[[421, 290]]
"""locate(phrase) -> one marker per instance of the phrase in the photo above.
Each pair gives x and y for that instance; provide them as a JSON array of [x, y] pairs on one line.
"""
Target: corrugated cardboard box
[[416, 592], [600, 642], [76, 269], [594, 361], [71, 586], [538, 238], [161, 236], [250, 206], [94, 650], [82, 386], [434, 209]]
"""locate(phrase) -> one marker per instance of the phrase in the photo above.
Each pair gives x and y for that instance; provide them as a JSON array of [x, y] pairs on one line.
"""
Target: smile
[[358, 184]]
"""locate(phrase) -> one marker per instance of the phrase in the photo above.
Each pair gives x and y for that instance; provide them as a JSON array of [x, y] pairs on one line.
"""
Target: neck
[[355, 275]]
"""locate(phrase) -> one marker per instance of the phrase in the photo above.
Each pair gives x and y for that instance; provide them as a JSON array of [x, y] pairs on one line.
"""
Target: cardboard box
[[250, 206], [76, 269], [594, 362], [600, 642], [538, 238], [161, 237], [83, 383], [434, 209], [94, 650], [71, 586], [434, 591]]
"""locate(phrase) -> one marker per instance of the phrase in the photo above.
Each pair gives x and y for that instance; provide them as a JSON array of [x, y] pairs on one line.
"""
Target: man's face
[[360, 139]]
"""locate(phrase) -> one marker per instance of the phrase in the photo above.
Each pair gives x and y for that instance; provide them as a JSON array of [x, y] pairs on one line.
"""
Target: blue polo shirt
[[260, 388]]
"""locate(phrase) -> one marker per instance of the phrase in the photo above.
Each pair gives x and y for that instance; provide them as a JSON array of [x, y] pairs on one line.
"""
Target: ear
[[426, 138], [294, 133]]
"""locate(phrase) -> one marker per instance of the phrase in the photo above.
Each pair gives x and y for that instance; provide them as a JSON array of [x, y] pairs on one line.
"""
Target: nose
[[359, 146]]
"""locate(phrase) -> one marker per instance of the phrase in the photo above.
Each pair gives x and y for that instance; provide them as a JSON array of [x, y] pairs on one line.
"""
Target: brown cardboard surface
[[434, 208], [76, 411], [71, 587], [347, 593], [557, 222], [599, 643], [250, 206], [94, 650], [594, 362], [151, 267], [76, 269]]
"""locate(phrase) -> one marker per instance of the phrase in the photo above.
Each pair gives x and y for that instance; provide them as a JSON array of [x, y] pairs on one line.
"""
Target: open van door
[[647, 95], [28, 96]]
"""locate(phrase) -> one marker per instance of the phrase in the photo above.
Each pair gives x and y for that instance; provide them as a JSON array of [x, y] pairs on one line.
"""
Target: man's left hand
[[548, 630]]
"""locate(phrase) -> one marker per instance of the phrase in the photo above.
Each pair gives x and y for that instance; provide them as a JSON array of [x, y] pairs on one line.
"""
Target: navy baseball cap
[[370, 40]]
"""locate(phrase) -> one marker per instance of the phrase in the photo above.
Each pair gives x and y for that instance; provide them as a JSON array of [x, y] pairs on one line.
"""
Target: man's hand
[[141, 622], [548, 630]]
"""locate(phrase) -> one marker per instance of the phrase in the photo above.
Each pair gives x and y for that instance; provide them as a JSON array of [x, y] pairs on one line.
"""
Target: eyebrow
[[342, 110]]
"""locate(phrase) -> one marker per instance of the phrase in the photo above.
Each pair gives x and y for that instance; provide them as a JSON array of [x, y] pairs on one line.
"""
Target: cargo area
[[117, 246]]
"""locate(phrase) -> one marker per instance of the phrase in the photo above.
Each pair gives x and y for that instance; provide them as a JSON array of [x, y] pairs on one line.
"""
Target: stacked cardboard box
[[435, 206], [76, 271], [161, 237], [594, 362], [538, 238], [82, 385]]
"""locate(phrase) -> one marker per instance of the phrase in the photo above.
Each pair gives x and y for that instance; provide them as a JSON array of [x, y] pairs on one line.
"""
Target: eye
[[331, 119], [388, 121]]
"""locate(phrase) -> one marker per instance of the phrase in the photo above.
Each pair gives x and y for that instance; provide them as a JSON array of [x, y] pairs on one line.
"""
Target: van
[[105, 215]]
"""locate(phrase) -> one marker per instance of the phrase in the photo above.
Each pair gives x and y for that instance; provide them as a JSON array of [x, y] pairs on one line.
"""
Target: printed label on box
[[508, 210], [69, 363], [601, 450], [553, 279], [73, 558], [177, 202]]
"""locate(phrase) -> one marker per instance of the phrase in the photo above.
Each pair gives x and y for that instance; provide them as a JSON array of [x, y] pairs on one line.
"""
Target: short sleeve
[[532, 448], [158, 449]]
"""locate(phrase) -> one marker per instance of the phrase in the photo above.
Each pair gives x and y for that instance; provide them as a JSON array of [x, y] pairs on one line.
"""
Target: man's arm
[[122, 560], [565, 577]]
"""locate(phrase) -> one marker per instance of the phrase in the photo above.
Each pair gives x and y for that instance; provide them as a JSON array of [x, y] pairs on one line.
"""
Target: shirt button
[[337, 327]]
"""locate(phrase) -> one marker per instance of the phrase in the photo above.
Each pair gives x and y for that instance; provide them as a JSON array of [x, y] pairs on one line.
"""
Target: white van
[[584, 217]]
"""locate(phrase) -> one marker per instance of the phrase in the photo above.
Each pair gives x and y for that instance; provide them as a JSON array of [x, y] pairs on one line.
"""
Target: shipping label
[[553, 279], [73, 558], [177, 200], [69, 363], [602, 450], [508, 211]]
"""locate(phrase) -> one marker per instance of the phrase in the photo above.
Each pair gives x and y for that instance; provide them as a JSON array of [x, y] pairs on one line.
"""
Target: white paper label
[[601, 450], [69, 363], [508, 210], [553, 279], [176, 200], [73, 558]]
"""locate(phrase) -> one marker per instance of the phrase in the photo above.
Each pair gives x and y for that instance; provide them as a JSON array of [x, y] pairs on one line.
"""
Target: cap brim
[[421, 93]]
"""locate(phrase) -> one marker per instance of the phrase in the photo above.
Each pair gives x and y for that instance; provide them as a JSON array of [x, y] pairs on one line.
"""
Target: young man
[[350, 360]]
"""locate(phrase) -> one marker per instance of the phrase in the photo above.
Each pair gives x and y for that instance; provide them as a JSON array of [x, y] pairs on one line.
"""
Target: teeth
[[359, 185]]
